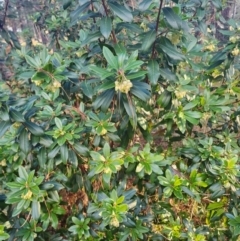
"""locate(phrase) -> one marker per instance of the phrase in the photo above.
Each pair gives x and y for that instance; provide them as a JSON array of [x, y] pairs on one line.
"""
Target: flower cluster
[[180, 93], [55, 86], [27, 196], [235, 51], [234, 39], [114, 221], [38, 82], [210, 47], [123, 86]]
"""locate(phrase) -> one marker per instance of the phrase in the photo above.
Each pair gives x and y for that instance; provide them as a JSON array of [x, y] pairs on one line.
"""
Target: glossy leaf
[[34, 128], [4, 126], [169, 49], [106, 26], [144, 5], [104, 100], [148, 40], [102, 73], [75, 14], [73, 158], [16, 115], [64, 153], [153, 71], [121, 11], [111, 59], [36, 210], [24, 142], [81, 150], [172, 18]]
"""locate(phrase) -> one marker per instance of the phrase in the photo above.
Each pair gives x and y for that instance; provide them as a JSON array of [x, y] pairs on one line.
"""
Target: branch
[[4, 14], [106, 11], [157, 25], [94, 19]]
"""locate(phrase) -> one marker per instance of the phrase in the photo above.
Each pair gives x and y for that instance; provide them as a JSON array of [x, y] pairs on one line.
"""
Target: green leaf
[[59, 210], [54, 196], [172, 18], [148, 168], [164, 99], [104, 99], [190, 105], [193, 114], [24, 142], [61, 140], [64, 153], [32, 62], [155, 168], [153, 71], [141, 90], [102, 73], [178, 193], [75, 14], [81, 150], [144, 5], [139, 74], [140, 167], [53, 152], [148, 40], [120, 49], [188, 191], [169, 49], [4, 236], [54, 220], [215, 205], [168, 74], [167, 192], [122, 208], [129, 26], [36, 210], [52, 185], [47, 186], [87, 89], [108, 84], [33, 128], [111, 59], [131, 111], [91, 38], [97, 156], [217, 4], [14, 185], [73, 158], [58, 123], [106, 150], [16, 115], [191, 44], [22, 172], [107, 177], [134, 64], [21, 204], [106, 26], [218, 57], [163, 181], [4, 126], [121, 11]]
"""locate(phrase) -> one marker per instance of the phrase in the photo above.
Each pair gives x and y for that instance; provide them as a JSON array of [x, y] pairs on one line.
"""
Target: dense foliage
[[124, 125]]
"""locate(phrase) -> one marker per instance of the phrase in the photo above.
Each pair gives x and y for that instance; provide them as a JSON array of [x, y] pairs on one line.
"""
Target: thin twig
[[157, 25], [94, 19], [106, 12], [4, 14]]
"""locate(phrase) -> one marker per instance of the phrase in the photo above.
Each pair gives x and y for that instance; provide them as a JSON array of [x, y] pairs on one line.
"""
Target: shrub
[[124, 126]]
